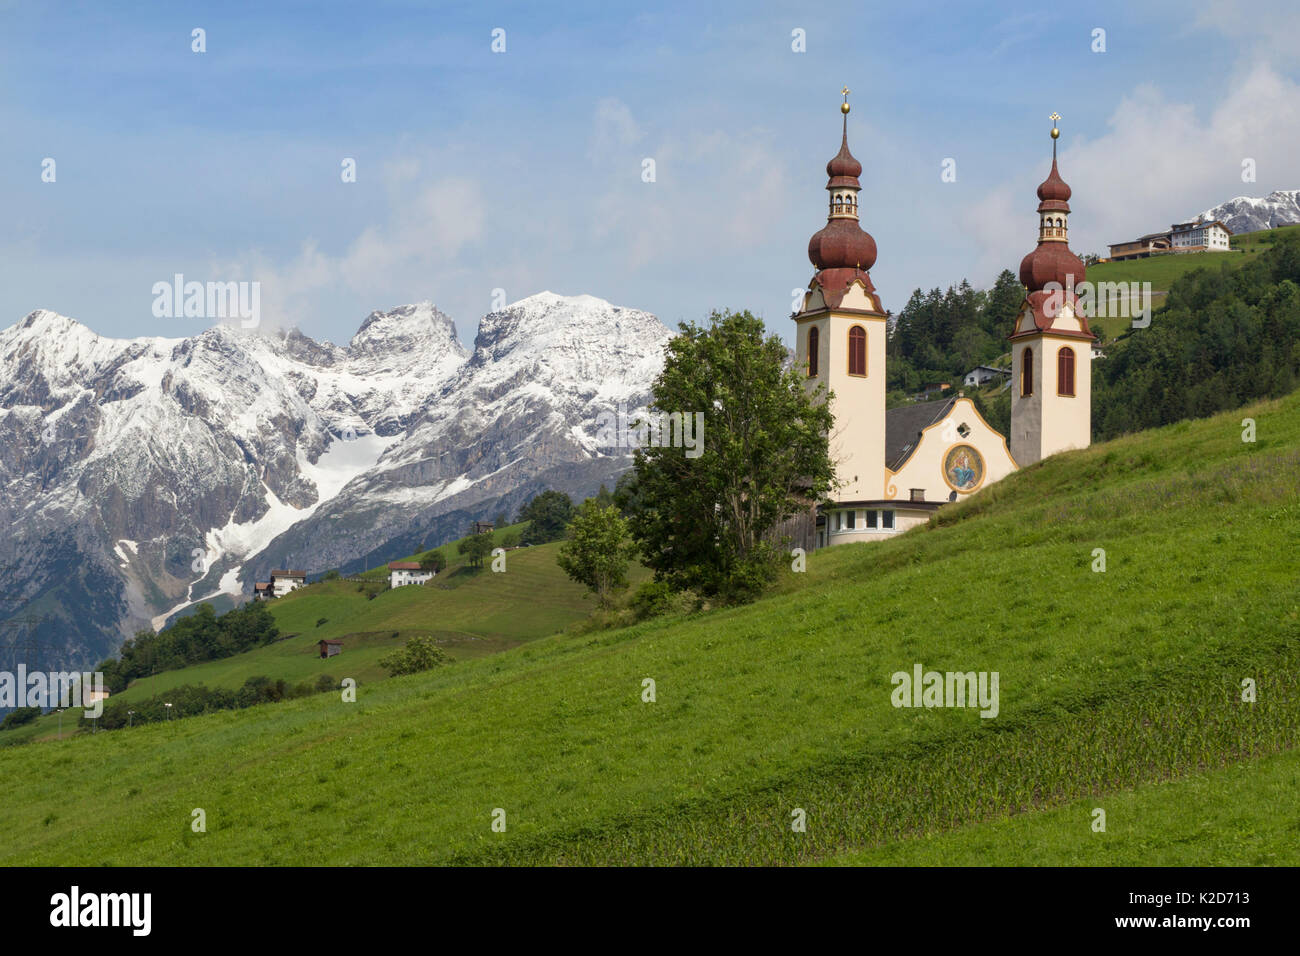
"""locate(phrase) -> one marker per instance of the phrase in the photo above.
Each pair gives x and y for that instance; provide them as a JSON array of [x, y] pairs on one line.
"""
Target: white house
[[401, 573], [983, 374], [282, 582], [1200, 236]]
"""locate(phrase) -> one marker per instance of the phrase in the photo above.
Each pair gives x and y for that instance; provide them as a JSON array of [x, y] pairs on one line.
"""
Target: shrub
[[16, 718], [652, 599], [419, 654]]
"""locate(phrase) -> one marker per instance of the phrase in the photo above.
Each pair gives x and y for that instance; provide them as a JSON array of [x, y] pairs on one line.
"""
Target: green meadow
[[1119, 689], [1243, 814], [470, 611]]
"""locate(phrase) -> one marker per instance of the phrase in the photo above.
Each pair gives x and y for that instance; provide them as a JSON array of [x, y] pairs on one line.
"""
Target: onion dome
[[842, 251], [1054, 188], [1051, 274], [1051, 262], [843, 169], [842, 244]]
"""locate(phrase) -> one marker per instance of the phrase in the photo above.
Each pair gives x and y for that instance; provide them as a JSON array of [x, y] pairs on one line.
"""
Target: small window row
[[868, 519]]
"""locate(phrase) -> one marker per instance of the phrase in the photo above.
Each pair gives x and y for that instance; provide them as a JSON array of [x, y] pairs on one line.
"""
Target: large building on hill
[[895, 467]]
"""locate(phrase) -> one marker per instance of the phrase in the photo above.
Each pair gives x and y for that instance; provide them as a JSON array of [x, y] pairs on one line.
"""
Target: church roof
[[903, 426]]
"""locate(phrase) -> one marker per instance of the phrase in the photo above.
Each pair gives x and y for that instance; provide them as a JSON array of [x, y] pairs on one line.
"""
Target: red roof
[[843, 169], [404, 566], [288, 574], [1054, 189]]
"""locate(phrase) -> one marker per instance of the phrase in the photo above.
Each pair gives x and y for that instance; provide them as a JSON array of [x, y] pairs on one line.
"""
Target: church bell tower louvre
[[1051, 345]]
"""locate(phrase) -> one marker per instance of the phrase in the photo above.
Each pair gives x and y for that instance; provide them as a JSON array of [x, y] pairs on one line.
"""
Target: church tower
[[1051, 346], [840, 334]]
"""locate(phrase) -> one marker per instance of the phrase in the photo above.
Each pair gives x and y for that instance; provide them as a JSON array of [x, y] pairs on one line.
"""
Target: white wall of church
[[857, 439], [1047, 422], [924, 469]]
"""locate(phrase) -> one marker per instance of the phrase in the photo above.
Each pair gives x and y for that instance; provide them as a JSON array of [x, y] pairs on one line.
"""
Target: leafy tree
[[433, 561], [547, 515], [477, 547], [702, 523], [597, 550], [419, 654]]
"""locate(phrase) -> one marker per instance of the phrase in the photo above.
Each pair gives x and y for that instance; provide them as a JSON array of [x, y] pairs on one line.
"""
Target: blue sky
[[521, 170]]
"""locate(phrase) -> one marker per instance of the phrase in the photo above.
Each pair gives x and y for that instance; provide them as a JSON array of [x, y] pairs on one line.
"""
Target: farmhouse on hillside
[[401, 573], [983, 374], [481, 527], [895, 467], [262, 591], [282, 582], [330, 648]]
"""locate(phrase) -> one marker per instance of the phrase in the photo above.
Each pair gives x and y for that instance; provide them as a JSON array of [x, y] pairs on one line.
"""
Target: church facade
[[895, 467]]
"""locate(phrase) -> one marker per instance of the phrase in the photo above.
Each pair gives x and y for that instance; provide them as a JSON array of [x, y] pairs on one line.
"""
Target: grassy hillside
[[1223, 818], [470, 611], [1161, 271], [1110, 682]]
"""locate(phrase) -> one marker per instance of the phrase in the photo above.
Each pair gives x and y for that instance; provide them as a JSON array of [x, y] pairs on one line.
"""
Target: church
[[895, 467]]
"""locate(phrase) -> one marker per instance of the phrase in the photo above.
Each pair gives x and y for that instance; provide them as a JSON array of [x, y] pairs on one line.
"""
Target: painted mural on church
[[964, 468]]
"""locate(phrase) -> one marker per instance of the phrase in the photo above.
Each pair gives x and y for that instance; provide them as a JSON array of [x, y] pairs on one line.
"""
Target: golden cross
[[1054, 118], [846, 91]]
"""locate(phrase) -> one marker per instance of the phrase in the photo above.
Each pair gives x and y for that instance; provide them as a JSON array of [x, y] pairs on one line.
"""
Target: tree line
[[201, 636]]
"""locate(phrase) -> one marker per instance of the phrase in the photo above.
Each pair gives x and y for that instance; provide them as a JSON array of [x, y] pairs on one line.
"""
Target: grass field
[[1241, 815], [1111, 683]]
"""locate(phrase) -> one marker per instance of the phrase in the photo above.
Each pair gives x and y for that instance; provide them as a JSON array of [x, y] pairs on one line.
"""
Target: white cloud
[[427, 226], [1160, 161]]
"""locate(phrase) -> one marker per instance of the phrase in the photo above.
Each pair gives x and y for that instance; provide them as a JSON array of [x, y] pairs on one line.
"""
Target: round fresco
[[963, 468]]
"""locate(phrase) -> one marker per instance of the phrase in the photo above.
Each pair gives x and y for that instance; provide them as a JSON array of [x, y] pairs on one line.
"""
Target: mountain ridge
[[168, 470]]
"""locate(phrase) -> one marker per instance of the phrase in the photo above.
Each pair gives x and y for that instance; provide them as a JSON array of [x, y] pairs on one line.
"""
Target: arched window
[[814, 347], [857, 350], [1065, 371], [1026, 372]]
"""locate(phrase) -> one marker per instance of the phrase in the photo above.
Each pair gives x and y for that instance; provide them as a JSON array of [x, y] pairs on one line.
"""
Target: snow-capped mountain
[[1245, 214], [143, 474]]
